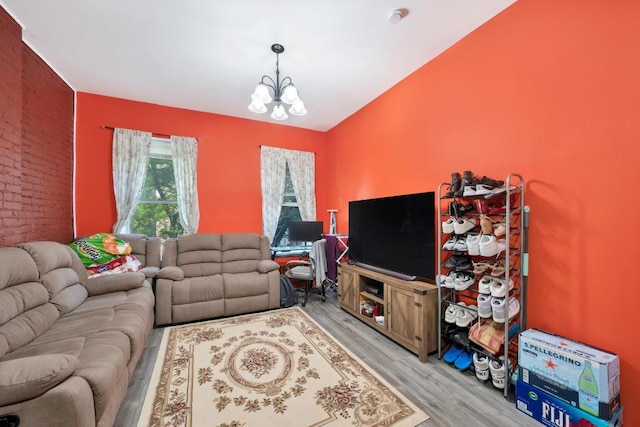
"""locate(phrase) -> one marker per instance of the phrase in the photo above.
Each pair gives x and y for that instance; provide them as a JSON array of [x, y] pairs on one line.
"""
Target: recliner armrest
[[267, 265], [117, 282], [150, 271], [171, 273]]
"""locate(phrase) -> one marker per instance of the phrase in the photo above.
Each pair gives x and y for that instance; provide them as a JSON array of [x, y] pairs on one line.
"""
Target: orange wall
[[228, 161], [549, 89]]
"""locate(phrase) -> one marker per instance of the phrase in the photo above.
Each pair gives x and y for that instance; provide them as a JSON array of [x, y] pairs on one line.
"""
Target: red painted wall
[[36, 144], [548, 89], [228, 161]]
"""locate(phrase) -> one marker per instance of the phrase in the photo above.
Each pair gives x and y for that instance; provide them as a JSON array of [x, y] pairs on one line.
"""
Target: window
[[290, 212], [157, 210]]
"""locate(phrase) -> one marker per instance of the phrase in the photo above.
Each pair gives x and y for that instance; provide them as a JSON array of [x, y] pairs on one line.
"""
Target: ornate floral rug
[[276, 368]]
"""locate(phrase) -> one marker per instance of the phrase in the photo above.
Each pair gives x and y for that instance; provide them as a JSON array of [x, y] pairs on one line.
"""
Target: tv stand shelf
[[409, 308]]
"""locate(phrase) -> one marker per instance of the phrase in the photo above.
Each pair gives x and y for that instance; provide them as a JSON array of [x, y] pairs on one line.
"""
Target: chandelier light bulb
[[257, 107], [262, 93], [297, 109], [290, 94], [279, 113]]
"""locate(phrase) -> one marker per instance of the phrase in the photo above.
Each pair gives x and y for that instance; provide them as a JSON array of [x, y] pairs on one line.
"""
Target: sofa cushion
[[25, 312], [29, 377], [241, 252], [55, 265], [199, 254], [240, 285], [198, 289]]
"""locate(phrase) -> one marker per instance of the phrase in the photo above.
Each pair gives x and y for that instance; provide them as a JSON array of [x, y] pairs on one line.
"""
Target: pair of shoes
[[490, 246], [486, 224], [447, 226], [493, 269], [484, 306], [481, 366], [466, 315], [456, 243], [477, 190], [463, 281], [499, 308], [452, 311], [458, 262], [498, 287], [459, 357], [449, 280]]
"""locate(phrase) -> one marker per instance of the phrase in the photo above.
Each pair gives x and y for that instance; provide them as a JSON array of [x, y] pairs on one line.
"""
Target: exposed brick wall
[[36, 144]]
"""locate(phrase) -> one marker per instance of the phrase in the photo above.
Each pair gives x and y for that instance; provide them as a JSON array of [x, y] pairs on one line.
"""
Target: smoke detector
[[396, 15]]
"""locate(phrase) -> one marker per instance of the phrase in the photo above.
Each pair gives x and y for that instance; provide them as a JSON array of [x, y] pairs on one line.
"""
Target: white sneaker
[[484, 285], [484, 306], [499, 309], [460, 244], [447, 226], [488, 246], [499, 288], [462, 225], [465, 316], [482, 190], [473, 241], [469, 190], [481, 365], [448, 245], [464, 280], [452, 311]]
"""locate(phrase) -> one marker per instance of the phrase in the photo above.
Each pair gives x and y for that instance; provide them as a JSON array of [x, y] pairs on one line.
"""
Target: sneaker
[[465, 316], [482, 189], [489, 246], [484, 306], [452, 311], [462, 225], [449, 244], [498, 307], [469, 190], [481, 365], [473, 241], [447, 226], [496, 367], [451, 262], [450, 279], [484, 285], [460, 244], [499, 288], [464, 280]]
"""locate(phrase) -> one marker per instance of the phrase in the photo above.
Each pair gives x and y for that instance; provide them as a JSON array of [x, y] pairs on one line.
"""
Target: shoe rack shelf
[[507, 209]]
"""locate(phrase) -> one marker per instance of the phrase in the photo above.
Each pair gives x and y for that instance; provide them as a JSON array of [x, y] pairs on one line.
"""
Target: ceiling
[[209, 55]]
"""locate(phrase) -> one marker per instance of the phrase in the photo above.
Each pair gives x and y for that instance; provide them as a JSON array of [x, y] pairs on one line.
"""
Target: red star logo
[[564, 344], [550, 364]]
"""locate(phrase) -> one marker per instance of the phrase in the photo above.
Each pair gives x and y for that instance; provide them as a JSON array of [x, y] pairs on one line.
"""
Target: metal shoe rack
[[516, 218]]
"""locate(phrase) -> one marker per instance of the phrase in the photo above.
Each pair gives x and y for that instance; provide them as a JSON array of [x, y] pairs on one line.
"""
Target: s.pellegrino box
[[553, 412], [580, 375]]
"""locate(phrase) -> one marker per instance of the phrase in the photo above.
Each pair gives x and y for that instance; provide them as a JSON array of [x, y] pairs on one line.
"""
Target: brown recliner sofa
[[204, 276], [68, 344]]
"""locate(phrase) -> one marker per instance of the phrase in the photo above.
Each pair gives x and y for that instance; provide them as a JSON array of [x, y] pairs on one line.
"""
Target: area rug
[[276, 368]]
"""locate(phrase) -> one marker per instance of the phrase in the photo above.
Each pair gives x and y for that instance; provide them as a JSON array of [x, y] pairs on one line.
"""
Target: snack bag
[[100, 248]]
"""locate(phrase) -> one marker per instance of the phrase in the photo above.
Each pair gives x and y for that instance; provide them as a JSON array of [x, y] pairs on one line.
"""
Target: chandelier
[[283, 92]]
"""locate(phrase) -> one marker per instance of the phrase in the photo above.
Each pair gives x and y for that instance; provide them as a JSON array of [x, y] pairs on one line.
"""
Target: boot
[[468, 180], [455, 185]]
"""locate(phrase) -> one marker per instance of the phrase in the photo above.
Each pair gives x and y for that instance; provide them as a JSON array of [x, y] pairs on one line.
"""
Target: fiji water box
[[580, 375], [553, 412]]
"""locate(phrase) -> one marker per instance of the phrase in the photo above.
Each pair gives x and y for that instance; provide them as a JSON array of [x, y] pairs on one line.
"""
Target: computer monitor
[[305, 231]]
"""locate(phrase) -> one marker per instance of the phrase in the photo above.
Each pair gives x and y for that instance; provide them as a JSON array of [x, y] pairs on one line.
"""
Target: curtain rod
[[260, 146], [157, 135]]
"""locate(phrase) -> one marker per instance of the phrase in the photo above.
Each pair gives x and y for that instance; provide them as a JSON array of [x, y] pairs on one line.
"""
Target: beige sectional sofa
[[212, 275], [69, 344]]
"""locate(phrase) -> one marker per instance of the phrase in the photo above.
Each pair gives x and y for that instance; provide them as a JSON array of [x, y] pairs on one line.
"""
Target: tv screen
[[305, 231], [394, 233]]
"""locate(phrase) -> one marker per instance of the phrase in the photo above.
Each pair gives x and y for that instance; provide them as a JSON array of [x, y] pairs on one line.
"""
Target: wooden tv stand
[[410, 308]]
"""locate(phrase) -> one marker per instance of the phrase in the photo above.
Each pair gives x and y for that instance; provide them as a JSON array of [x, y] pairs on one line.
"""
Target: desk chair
[[313, 269]]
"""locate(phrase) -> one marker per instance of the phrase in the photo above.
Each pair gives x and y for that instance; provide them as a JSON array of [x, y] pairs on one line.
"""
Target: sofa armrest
[[115, 283], [267, 265], [150, 271], [29, 377], [171, 273]]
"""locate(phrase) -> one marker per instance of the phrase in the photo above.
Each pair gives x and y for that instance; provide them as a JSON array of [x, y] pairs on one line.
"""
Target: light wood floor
[[450, 397]]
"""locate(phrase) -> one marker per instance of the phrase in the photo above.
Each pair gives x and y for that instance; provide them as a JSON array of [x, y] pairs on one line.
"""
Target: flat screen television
[[394, 234], [305, 231]]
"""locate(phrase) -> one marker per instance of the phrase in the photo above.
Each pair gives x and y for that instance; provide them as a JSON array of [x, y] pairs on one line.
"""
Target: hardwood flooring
[[450, 397]]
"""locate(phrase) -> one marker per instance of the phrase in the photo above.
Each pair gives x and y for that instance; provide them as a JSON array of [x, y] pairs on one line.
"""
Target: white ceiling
[[208, 55]]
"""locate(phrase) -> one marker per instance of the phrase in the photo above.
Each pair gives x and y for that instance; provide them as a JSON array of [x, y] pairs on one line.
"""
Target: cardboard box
[[554, 412], [582, 376]]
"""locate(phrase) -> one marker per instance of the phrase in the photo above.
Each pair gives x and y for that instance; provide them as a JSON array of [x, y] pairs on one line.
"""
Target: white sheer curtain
[[302, 167], [130, 157], [184, 151], [272, 173]]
